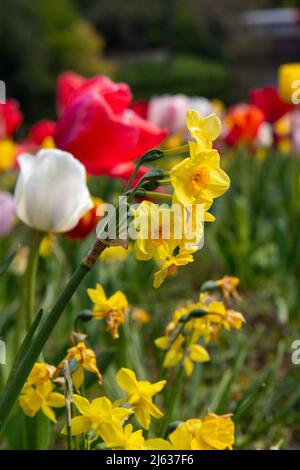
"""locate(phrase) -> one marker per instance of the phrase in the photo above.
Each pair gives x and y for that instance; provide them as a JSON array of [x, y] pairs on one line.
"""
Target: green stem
[[179, 152], [25, 345], [153, 195], [165, 182], [31, 275], [69, 437], [134, 173], [87, 444], [14, 387], [173, 399]]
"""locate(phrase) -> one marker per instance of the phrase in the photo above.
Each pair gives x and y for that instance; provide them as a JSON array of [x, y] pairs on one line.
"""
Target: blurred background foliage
[[40, 40], [195, 47]]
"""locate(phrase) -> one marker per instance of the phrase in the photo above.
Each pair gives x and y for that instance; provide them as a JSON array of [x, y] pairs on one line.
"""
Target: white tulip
[[51, 194], [203, 105], [169, 111]]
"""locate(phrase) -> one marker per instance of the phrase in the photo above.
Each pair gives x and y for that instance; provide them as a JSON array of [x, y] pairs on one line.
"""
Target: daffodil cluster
[[204, 320], [106, 423], [195, 181], [212, 433], [38, 392], [106, 419]]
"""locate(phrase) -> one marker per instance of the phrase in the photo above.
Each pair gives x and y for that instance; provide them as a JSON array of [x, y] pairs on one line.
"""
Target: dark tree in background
[[40, 39], [158, 46]]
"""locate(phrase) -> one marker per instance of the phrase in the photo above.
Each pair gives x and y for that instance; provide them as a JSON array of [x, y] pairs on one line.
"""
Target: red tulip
[[86, 224], [100, 131], [243, 122], [269, 102], [40, 131], [71, 85], [10, 118], [141, 108], [67, 84]]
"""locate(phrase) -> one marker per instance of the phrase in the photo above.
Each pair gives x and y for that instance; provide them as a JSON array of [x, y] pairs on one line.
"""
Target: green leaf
[[25, 344], [5, 265]]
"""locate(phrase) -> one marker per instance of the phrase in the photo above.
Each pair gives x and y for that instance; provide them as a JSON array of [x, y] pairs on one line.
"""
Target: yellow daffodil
[[170, 235], [228, 285], [114, 254], [112, 308], [7, 155], [233, 320], [47, 245], [140, 316], [159, 230], [170, 266], [212, 433], [204, 130], [288, 77], [210, 325], [96, 415], [199, 180], [181, 438], [218, 431], [139, 395], [40, 396], [117, 438], [40, 373], [182, 351], [86, 360], [157, 443]]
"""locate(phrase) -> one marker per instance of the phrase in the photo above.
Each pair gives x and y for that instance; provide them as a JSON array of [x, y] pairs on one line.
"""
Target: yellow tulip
[[289, 81]]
